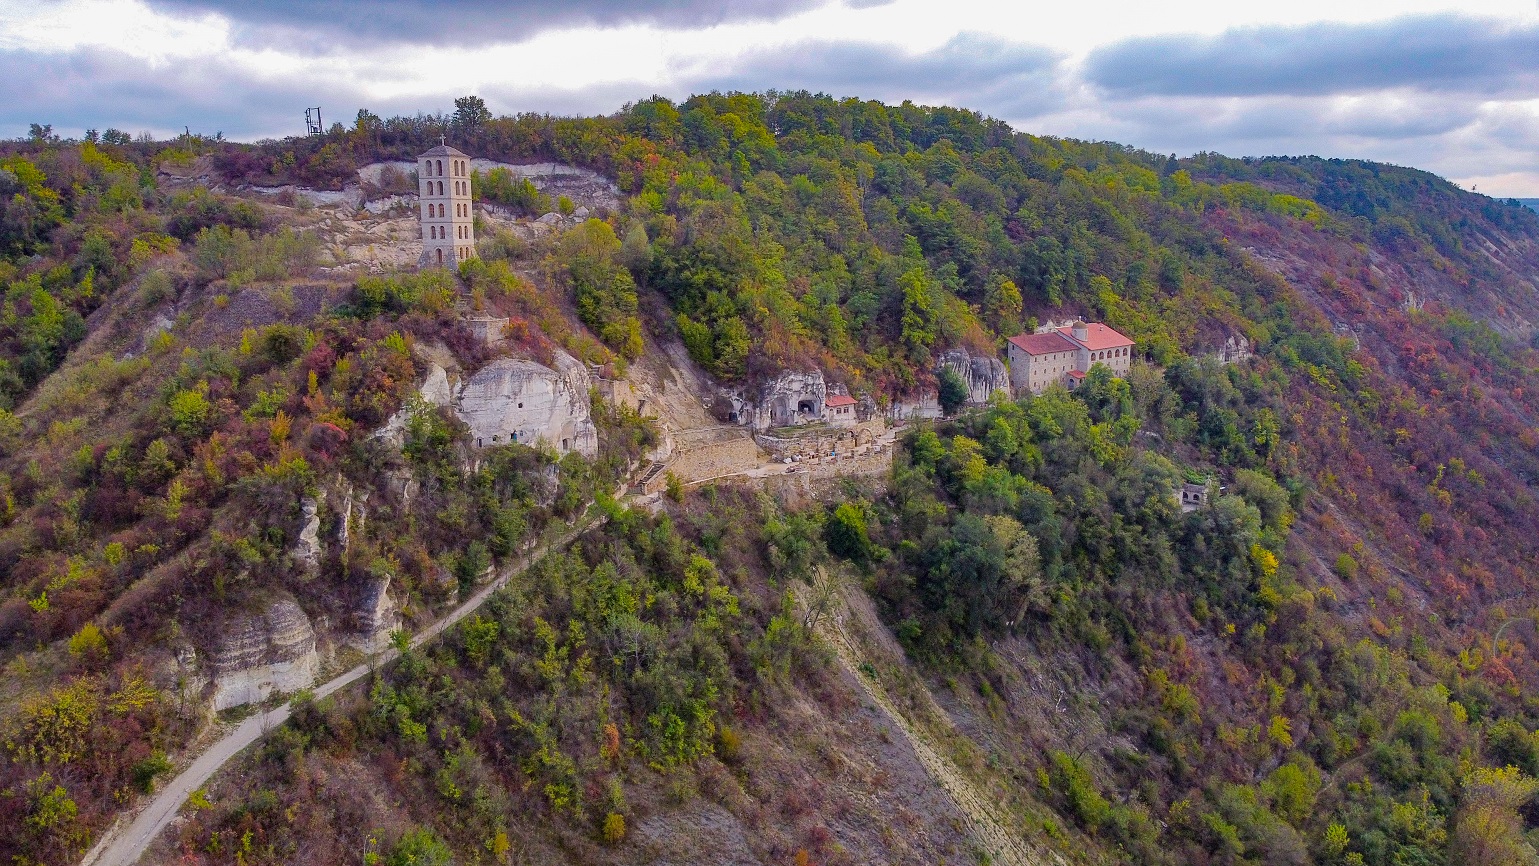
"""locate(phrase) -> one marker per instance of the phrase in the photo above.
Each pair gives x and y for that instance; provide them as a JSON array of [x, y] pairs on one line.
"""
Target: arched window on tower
[[440, 256], [440, 168]]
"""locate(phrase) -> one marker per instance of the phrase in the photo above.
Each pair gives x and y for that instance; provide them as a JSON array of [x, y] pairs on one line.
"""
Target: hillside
[[236, 454]]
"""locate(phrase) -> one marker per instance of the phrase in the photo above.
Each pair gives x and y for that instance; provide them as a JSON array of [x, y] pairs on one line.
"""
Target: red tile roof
[[1076, 374], [840, 400], [1042, 344], [1099, 337]]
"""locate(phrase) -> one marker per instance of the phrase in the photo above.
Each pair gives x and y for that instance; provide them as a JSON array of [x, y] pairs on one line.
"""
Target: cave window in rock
[[566, 444]]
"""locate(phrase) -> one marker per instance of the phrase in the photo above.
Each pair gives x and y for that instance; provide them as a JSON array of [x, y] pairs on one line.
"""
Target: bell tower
[[448, 224]]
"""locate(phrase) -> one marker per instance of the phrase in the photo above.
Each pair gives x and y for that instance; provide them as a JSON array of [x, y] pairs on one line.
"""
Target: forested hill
[[1335, 662]]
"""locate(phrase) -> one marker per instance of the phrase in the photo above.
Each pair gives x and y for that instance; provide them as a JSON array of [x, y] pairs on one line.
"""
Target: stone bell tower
[[448, 233]]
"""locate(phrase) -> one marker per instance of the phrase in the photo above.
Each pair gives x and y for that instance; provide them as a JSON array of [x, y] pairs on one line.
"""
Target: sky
[[1447, 87]]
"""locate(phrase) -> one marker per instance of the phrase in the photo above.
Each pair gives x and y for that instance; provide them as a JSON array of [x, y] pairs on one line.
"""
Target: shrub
[[614, 828], [145, 771], [190, 411], [88, 644], [499, 186], [420, 847], [1073, 781]]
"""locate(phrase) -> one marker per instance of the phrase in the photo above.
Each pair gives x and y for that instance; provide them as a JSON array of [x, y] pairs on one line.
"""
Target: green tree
[[190, 411], [845, 533], [420, 847], [918, 324], [952, 393], [1003, 304], [471, 112], [1488, 829]]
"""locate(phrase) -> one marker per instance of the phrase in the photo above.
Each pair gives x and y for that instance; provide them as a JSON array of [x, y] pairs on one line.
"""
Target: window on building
[[440, 168]]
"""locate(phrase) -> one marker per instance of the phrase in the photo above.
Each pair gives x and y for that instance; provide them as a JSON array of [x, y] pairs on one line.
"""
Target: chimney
[[1081, 331]]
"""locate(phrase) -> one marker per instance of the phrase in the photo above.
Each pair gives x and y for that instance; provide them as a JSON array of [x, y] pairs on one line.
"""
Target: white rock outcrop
[[511, 400], [260, 654], [376, 616], [983, 375], [308, 551], [514, 400]]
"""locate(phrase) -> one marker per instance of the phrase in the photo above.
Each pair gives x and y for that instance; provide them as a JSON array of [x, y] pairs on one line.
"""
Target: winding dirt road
[[123, 846]]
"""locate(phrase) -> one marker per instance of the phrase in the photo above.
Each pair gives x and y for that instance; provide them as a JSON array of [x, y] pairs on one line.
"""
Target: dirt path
[[841, 627], [122, 846]]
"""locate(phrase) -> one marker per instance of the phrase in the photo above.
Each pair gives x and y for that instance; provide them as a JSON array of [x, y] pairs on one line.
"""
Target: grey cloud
[[972, 70], [322, 24], [100, 88], [1271, 120], [1433, 53], [1443, 133]]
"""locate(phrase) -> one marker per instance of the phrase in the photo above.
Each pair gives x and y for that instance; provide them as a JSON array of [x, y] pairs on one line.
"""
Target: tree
[[1003, 304], [1488, 829], [367, 122], [420, 847], [953, 392], [845, 533], [964, 574], [918, 324], [471, 112]]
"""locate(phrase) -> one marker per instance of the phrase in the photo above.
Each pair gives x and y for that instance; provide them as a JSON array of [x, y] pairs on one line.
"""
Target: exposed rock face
[[924, 407], [983, 375], [512, 400], [376, 615], [352, 515], [793, 398], [1235, 350], [436, 389], [308, 551], [262, 654]]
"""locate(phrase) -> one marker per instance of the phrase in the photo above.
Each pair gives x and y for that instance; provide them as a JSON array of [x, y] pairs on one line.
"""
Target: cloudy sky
[[1438, 85]]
